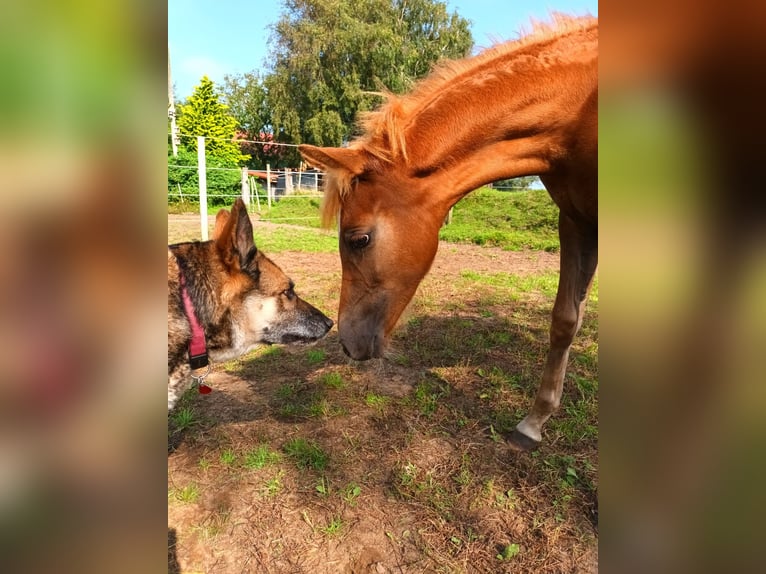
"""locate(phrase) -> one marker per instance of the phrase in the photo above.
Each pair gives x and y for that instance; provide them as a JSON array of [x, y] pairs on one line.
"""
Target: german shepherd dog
[[235, 295]]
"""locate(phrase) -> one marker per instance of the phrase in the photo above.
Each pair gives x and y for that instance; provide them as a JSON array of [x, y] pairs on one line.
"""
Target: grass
[[228, 457], [187, 495], [545, 284], [184, 418], [333, 380], [260, 457], [306, 454], [409, 454], [302, 211], [509, 220]]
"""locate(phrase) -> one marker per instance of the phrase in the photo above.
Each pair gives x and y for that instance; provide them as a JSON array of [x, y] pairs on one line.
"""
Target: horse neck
[[502, 125]]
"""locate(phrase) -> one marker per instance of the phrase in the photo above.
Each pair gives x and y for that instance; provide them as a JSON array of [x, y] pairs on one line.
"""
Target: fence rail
[[255, 187]]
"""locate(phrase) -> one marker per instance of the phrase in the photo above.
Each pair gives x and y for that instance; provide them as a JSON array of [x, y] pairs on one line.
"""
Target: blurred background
[[82, 334], [83, 132]]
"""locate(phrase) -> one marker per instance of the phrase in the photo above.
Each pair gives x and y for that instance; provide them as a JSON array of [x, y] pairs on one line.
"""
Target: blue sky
[[219, 37]]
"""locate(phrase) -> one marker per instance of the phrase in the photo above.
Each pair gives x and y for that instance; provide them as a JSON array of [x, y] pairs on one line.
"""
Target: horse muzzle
[[361, 340]]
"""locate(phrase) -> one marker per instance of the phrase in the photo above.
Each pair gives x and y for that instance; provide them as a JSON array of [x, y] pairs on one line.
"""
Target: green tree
[[330, 56], [246, 97], [204, 115]]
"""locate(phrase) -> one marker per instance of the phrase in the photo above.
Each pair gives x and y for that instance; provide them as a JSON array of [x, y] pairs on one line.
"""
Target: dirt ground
[[418, 477]]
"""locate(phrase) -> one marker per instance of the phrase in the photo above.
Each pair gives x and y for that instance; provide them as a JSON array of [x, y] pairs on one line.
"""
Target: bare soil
[[418, 476]]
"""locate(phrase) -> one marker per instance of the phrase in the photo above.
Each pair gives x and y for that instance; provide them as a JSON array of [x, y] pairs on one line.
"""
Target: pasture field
[[301, 460]]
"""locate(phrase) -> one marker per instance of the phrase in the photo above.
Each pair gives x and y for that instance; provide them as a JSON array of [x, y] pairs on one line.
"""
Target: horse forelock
[[337, 185]]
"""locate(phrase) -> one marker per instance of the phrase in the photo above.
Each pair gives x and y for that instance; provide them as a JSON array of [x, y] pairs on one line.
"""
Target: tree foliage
[[183, 179], [246, 97], [204, 115], [331, 56]]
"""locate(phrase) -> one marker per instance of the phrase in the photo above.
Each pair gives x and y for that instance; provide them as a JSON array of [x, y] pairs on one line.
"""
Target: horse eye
[[359, 240]]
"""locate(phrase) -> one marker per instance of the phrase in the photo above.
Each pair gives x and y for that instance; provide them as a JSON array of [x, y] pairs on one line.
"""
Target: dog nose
[[329, 322]]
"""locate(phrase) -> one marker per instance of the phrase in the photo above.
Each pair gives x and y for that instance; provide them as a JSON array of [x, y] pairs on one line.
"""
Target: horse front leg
[[579, 258]]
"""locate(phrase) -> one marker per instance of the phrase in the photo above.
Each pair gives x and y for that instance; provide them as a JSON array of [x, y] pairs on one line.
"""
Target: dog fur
[[241, 299]]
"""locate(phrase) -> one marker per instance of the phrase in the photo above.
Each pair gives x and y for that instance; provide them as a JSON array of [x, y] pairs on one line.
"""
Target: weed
[[350, 493], [260, 457], [315, 355], [508, 552], [464, 476], [184, 418], [204, 464], [332, 528], [323, 408], [287, 391], [273, 485], [323, 486], [375, 401], [214, 525], [424, 488], [187, 494], [427, 394], [306, 454], [333, 380], [228, 457]]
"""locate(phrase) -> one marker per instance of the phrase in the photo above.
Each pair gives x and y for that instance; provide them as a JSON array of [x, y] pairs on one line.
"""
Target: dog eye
[[289, 293], [359, 240]]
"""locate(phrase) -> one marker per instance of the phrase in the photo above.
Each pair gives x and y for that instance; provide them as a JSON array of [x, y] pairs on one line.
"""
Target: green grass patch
[[510, 220], [333, 528], [306, 454], [375, 401], [275, 240], [426, 396], [508, 552], [302, 211], [184, 418], [260, 457], [333, 380], [228, 457], [315, 355], [188, 494], [543, 283]]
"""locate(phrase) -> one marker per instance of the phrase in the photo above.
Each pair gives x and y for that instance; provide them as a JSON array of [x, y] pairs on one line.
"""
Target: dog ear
[[234, 237], [221, 219]]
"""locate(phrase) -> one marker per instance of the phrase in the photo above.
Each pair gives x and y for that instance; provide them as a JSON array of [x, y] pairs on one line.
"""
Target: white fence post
[[268, 185], [245, 188], [288, 181], [254, 190], [202, 170]]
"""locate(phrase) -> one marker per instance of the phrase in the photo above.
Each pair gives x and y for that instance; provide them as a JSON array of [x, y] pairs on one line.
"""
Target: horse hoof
[[520, 442]]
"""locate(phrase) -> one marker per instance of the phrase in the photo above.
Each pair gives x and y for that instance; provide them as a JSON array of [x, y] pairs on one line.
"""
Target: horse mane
[[383, 129]]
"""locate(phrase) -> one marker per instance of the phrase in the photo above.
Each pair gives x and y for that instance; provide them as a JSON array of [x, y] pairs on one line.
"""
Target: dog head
[[260, 297]]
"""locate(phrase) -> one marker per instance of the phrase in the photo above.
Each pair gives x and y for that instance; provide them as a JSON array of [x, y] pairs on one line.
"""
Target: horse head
[[387, 241]]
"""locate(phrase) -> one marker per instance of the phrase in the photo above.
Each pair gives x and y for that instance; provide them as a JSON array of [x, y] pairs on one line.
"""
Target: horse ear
[[327, 158], [234, 235]]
